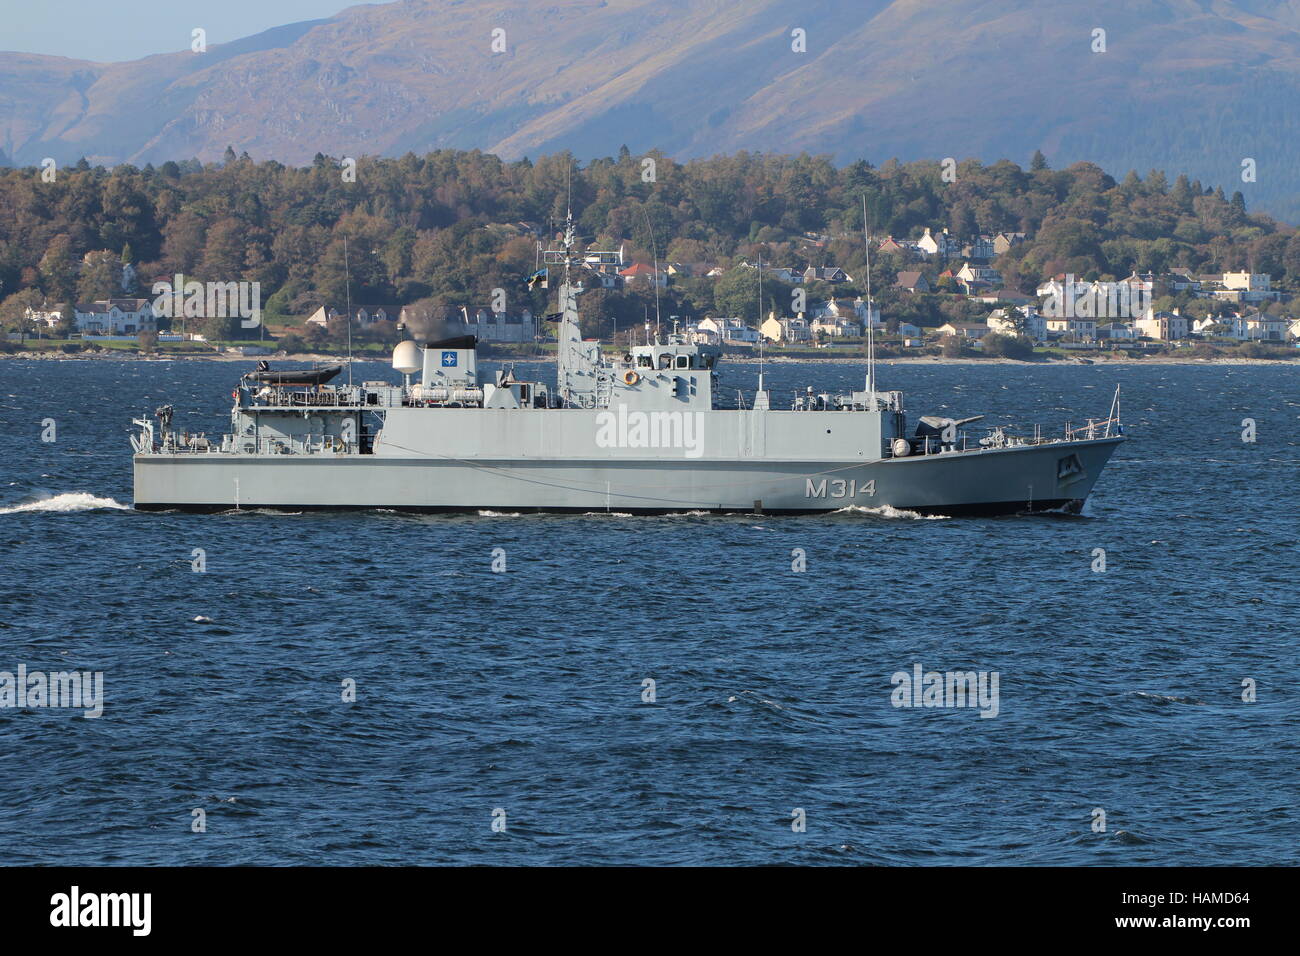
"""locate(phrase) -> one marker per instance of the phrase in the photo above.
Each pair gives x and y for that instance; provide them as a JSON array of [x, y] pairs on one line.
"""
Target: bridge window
[[683, 361]]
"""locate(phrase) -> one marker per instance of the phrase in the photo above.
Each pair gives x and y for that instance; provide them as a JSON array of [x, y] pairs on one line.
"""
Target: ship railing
[[307, 444], [1094, 428], [181, 443], [322, 398]]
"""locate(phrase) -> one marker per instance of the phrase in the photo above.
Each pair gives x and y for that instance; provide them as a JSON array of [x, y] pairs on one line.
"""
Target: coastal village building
[[906, 248], [826, 274], [492, 326], [640, 273], [362, 315], [1165, 326], [125, 316], [1033, 323], [489, 326], [1246, 287], [980, 248], [47, 315], [836, 327], [847, 309], [912, 281], [1074, 329], [1250, 327], [1116, 331], [965, 330], [1004, 241], [729, 331], [939, 245], [976, 275], [797, 329]]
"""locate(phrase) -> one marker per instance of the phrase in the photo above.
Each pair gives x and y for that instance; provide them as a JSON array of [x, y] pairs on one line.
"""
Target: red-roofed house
[[640, 272]]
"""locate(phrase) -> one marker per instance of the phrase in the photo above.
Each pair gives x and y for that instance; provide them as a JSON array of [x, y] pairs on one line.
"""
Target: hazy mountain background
[[1184, 85]]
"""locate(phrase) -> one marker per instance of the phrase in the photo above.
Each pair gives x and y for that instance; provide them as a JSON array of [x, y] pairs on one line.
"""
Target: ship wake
[[888, 511], [66, 504]]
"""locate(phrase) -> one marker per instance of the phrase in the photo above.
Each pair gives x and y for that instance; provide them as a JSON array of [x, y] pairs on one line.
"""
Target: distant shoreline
[[121, 356]]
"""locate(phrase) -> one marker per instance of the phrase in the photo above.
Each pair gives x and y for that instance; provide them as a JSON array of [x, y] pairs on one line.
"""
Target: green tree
[[58, 273], [100, 278], [736, 293]]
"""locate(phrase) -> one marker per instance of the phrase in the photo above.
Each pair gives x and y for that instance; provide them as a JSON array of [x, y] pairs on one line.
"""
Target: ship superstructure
[[645, 430]]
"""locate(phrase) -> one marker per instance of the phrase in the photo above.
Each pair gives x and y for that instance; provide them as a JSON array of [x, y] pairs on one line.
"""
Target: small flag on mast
[[539, 278]]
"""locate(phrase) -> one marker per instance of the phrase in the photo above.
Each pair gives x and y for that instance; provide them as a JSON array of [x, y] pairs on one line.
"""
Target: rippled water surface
[[522, 692]]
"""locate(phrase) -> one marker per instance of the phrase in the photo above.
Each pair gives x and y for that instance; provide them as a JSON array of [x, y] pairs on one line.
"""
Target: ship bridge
[[676, 354]]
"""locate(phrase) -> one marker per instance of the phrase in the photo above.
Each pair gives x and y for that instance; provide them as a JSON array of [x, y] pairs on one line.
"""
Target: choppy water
[[522, 691]]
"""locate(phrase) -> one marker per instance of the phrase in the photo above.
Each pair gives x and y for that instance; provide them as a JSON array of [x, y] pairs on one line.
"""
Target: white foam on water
[[888, 511], [66, 504]]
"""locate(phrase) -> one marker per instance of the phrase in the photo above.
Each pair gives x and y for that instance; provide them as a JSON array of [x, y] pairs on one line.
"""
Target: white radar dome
[[406, 358]]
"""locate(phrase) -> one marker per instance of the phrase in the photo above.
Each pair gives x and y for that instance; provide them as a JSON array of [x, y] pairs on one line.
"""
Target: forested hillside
[[450, 226]]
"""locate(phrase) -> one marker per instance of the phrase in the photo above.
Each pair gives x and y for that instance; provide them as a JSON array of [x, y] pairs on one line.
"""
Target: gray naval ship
[[645, 432]]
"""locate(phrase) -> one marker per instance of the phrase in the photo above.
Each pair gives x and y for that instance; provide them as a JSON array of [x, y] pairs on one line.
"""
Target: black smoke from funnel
[[425, 325]]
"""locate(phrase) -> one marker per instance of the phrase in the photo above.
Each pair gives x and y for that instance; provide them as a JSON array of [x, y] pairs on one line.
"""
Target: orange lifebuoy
[[630, 377]]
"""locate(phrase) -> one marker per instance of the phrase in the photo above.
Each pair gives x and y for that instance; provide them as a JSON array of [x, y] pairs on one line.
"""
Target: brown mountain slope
[[1184, 85]]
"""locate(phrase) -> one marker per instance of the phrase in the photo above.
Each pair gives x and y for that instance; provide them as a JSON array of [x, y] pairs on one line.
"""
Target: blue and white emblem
[[448, 359]]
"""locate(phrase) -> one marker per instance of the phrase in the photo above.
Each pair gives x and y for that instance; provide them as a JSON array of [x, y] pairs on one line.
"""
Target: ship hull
[[1030, 478]]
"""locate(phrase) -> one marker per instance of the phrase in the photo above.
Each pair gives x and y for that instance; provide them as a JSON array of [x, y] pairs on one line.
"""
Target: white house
[[847, 309], [46, 315], [1035, 326], [836, 327], [978, 275], [728, 330], [116, 317], [1076, 329], [938, 244], [965, 330], [1117, 331], [1261, 327]]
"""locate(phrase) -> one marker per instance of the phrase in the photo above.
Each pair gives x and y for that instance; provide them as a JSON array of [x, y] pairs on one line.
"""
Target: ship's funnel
[[451, 361]]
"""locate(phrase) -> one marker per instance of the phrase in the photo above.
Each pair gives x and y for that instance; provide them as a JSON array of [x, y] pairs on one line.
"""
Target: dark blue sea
[[517, 697]]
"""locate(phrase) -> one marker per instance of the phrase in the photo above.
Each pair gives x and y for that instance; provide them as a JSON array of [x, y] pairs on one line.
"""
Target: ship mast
[[871, 336], [576, 362]]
